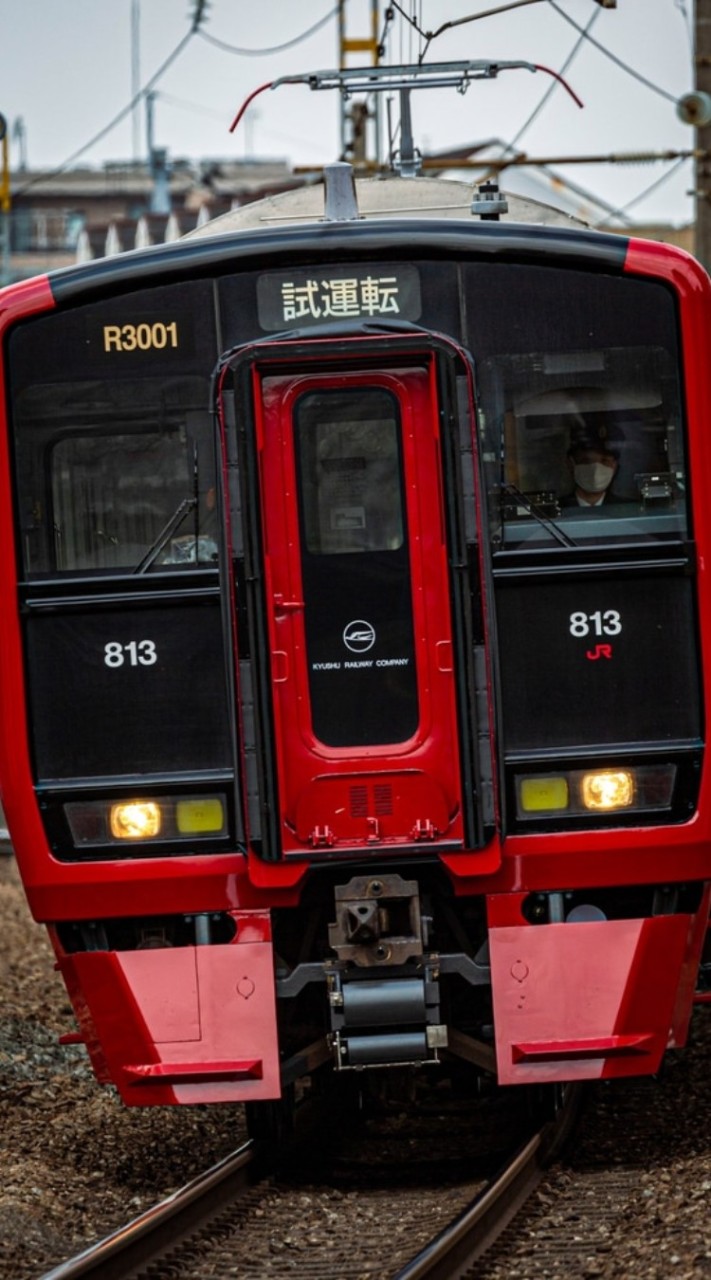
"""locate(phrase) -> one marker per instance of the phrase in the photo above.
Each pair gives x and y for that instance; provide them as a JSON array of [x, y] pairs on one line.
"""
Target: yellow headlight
[[135, 820], [611, 789], [541, 794]]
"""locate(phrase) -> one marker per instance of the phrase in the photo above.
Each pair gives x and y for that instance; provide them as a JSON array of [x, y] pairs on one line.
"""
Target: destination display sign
[[316, 295]]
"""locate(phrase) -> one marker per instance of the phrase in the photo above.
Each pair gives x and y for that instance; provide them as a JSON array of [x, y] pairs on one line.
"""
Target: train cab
[[353, 659]]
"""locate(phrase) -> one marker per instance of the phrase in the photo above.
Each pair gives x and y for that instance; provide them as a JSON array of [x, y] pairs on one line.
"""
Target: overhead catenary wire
[[642, 195], [429, 36], [624, 66], [146, 88], [413, 20], [584, 36], [121, 115], [584, 33], [684, 11], [276, 48], [552, 87], [511, 146]]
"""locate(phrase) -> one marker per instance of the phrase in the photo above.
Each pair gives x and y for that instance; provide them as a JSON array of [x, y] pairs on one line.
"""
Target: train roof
[[400, 216], [385, 197]]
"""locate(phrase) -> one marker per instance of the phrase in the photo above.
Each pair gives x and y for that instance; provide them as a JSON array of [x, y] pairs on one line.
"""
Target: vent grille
[[383, 800], [359, 802], [375, 803]]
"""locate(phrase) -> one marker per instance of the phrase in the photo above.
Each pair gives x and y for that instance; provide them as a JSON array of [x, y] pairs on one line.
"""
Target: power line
[[552, 87], [584, 35], [277, 48], [429, 36], [684, 11], [670, 97], [53, 173], [414, 21], [125, 111], [659, 182]]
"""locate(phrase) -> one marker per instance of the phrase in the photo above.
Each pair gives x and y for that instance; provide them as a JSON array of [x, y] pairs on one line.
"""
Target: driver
[[593, 460]]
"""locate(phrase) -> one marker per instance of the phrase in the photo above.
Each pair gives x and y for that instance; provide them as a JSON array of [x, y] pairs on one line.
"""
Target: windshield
[[583, 446], [119, 480]]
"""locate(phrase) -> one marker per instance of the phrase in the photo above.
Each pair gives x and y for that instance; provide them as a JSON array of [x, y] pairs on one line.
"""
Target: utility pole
[[702, 49], [355, 115], [158, 167], [136, 77], [5, 205]]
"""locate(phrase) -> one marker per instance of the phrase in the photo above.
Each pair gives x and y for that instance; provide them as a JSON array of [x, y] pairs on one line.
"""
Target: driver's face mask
[[593, 477]]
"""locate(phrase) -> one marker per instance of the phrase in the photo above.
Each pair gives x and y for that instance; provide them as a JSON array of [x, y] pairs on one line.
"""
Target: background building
[[61, 219]]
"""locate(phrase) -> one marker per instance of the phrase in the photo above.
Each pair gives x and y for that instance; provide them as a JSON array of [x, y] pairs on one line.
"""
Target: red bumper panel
[[184, 1025], [585, 1001]]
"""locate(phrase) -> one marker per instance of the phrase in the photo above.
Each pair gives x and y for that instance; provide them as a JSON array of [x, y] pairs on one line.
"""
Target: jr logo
[[600, 651]]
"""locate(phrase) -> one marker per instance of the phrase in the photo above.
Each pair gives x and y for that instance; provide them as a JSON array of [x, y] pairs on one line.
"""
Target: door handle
[[282, 606]]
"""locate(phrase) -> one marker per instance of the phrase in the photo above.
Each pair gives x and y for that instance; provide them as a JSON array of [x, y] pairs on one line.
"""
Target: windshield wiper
[[182, 509], [549, 525]]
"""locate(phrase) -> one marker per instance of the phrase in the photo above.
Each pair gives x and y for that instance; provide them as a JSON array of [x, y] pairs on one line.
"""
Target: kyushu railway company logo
[[359, 636]]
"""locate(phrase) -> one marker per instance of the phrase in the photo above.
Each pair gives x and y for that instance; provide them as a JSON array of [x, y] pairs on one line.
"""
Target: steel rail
[[151, 1232], [141, 1241], [451, 1254]]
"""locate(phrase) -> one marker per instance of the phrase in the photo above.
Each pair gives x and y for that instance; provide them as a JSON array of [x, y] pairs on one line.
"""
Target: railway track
[[150, 1234], [234, 1216], [455, 1250]]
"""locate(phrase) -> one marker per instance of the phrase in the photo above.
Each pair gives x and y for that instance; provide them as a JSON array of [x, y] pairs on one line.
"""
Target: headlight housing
[[602, 791], [140, 820]]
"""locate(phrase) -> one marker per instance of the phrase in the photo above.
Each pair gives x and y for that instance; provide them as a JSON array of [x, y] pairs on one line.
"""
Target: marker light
[[543, 794], [135, 820], [612, 789], [200, 815]]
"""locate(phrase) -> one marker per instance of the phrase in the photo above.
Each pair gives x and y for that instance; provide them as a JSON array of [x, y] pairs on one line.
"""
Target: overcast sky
[[69, 67]]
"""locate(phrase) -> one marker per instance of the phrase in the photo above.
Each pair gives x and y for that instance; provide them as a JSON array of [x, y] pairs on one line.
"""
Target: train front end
[[339, 729]]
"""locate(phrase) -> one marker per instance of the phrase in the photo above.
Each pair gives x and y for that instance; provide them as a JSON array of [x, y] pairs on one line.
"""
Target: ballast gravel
[[76, 1163]]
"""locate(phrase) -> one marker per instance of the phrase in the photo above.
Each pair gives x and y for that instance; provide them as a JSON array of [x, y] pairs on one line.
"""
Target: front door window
[[355, 567]]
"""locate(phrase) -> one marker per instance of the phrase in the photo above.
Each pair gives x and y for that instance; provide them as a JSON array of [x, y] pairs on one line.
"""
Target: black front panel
[[593, 663], [515, 308], [128, 690], [166, 331]]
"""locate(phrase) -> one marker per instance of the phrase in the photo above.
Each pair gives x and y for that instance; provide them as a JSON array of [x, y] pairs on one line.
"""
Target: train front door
[[356, 604]]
